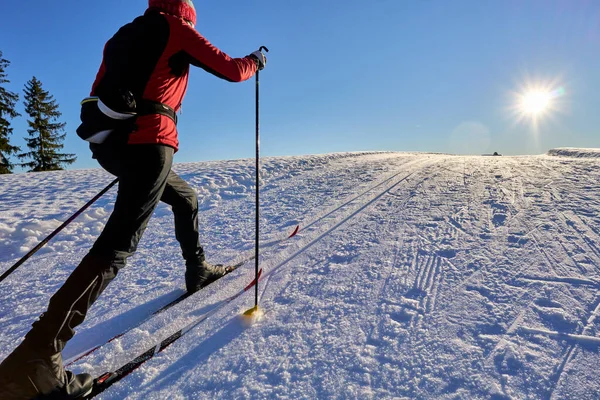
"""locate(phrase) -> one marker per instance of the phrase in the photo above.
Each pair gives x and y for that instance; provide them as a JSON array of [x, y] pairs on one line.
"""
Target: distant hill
[[575, 152]]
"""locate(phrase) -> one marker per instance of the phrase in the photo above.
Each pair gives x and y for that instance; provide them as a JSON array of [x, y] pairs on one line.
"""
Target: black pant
[[145, 178]]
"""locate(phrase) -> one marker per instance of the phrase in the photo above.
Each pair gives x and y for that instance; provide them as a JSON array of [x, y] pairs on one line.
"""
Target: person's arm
[[204, 55]]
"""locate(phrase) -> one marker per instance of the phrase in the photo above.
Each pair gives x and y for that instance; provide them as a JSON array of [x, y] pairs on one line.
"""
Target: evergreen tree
[[45, 133], [8, 100]]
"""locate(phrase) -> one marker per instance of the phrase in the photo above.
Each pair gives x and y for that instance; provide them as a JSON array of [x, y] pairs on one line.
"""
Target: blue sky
[[343, 75]]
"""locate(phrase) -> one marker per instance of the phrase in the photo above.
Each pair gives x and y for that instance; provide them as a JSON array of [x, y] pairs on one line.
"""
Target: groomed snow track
[[413, 276]]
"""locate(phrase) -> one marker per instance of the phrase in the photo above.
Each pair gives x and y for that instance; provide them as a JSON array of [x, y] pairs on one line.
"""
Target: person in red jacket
[[130, 121]]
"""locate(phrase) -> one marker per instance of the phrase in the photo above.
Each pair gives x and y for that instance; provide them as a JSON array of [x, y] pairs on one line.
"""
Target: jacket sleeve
[[206, 56]]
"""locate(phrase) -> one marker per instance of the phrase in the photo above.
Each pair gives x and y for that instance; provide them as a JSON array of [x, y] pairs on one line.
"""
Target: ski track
[[413, 276]]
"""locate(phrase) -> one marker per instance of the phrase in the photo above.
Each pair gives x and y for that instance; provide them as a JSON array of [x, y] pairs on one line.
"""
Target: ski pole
[[60, 228], [253, 310]]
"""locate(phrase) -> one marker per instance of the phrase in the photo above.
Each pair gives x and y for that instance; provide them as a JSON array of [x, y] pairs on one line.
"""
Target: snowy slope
[[413, 276], [575, 152]]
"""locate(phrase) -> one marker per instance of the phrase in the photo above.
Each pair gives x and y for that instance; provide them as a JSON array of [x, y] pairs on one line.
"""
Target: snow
[[574, 152], [414, 275]]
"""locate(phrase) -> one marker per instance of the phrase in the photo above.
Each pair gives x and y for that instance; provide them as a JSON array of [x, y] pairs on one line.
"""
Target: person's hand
[[259, 58]]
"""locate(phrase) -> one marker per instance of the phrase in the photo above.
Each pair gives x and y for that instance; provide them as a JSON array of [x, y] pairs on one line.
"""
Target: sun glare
[[536, 102]]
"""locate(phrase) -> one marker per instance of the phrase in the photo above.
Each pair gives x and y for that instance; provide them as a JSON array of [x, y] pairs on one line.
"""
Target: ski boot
[[199, 276], [39, 374]]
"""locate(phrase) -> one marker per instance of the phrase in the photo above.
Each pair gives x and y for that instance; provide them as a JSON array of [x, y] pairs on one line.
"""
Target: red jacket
[[150, 57]]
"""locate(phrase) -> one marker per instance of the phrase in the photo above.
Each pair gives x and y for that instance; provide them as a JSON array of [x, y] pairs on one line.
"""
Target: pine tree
[[8, 100], [45, 133]]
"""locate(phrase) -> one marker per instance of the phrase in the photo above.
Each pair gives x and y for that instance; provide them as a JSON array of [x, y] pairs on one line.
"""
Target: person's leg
[[141, 184], [143, 173], [184, 202]]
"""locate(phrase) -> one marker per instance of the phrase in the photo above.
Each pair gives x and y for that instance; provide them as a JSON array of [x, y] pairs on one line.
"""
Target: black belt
[[150, 107], [145, 107]]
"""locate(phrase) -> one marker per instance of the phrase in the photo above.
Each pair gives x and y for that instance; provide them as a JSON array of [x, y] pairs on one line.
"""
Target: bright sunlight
[[536, 102]]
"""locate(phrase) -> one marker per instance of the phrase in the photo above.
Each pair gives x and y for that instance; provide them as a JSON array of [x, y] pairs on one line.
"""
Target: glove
[[260, 59]]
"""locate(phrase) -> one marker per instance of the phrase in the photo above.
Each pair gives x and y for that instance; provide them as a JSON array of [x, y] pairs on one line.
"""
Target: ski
[[107, 379], [176, 301], [267, 245], [170, 304], [233, 268]]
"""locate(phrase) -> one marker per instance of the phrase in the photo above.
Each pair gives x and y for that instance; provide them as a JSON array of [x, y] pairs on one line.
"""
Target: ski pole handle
[[263, 47]]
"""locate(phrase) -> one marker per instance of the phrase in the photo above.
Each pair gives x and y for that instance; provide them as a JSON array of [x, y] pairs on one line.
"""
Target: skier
[[130, 120]]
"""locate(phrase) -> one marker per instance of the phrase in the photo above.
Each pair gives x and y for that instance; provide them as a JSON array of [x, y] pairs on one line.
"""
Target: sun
[[536, 102]]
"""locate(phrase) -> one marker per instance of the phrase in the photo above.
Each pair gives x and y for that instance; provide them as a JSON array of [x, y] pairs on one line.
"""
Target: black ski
[[176, 301], [106, 380], [170, 304], [233, 268]]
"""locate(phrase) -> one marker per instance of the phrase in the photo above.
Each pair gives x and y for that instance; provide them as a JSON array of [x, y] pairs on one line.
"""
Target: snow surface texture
[[413, 276], [574, 152]]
